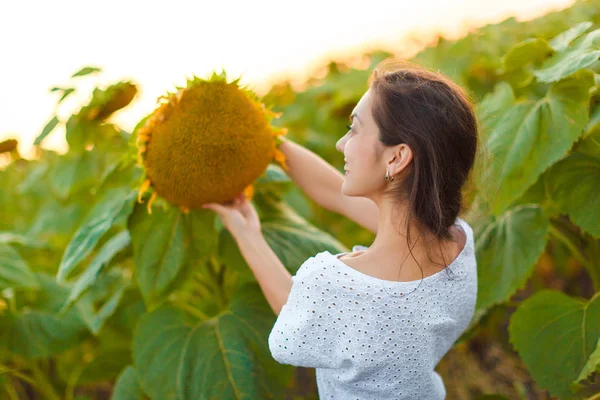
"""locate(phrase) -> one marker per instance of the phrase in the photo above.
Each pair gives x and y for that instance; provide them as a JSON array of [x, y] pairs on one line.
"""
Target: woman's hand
[[238, 216]]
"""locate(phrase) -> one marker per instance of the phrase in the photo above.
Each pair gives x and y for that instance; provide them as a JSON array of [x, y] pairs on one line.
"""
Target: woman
[[375, 322]]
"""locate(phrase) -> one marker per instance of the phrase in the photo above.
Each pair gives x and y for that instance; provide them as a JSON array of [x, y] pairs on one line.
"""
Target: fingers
[[221, 207]]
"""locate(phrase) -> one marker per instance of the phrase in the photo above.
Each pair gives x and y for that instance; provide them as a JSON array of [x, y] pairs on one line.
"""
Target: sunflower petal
[[143, 189], [280, 158], [151, 201]]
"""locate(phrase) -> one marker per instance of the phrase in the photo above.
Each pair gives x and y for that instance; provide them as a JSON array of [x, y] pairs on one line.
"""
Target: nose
[[340, 144]]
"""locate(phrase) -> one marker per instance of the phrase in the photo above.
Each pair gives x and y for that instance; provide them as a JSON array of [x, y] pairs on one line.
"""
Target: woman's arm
[[323, 184], [315, 176], [274, 280]]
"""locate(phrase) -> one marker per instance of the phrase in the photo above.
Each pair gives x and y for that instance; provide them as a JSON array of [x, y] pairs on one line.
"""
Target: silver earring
[[387, 176]]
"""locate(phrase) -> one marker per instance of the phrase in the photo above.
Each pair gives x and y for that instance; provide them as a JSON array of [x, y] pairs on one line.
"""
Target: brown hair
[[435, 117]]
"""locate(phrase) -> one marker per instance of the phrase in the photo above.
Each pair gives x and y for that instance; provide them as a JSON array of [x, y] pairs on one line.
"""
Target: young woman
[[375, 322]]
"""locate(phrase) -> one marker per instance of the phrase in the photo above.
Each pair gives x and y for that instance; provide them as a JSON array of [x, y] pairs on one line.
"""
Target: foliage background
[[87, 311]]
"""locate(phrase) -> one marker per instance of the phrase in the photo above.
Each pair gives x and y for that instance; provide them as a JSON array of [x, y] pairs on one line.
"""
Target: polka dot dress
[[370, 338]]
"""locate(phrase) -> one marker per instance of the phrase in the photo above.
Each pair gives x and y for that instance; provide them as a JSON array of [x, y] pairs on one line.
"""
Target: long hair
[[435, 117]]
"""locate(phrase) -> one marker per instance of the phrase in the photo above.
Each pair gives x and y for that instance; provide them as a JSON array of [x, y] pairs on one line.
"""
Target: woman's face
[[365, 175]]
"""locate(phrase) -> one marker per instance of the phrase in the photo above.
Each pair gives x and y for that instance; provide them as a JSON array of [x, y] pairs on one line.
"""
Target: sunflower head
[[206, 142], [106, 101], [8, 145]]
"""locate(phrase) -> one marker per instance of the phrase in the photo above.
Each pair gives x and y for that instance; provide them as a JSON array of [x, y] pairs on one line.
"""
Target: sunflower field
[[114, 283]]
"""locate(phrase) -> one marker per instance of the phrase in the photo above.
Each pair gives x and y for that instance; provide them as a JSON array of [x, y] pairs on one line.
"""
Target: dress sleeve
[[302, 334]]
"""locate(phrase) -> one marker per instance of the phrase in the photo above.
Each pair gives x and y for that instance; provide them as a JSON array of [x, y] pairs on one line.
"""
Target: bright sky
[[159, 44]]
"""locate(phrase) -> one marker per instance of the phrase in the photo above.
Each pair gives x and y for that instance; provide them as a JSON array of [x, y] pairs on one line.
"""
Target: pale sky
[[158, 44]]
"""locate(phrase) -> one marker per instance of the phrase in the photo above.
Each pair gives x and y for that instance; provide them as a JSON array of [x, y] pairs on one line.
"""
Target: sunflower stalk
[[11, 391], [217, 281], [42, 383], [579, 248]]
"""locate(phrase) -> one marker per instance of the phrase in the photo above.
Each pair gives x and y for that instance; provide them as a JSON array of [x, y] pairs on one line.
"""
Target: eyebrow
[[354, 115]]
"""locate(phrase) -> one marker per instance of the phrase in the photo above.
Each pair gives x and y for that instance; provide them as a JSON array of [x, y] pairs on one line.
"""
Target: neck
[[391, 238]]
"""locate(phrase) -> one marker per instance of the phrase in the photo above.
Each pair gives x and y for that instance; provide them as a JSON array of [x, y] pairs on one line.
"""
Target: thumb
[[215, 207]]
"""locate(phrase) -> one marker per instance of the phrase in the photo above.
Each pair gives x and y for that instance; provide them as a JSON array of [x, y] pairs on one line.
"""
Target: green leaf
[[47, 129], [526, 52], [86, 71], [163, 248], [106, 365], [572, 183], [75, 171], [517, 63], [555, 336], [66, 93], [509, 247], [127, 386], [292, 238], [494, 105], [15, 238], [79, 132], [531, 136], [130, 310], [14, 272], [591, 366], [88, 277], [103, 297], [562, 40], [590, 144], [37, 332], [112, 204], [180, 358], [582, 53]]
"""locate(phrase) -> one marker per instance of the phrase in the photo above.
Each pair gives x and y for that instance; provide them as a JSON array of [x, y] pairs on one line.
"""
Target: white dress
[[370, 338]]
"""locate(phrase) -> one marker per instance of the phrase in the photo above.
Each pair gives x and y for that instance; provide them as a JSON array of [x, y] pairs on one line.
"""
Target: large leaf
[[582, 53], [555, 336], [127, 386], [493, 106], [14, 272], [516, 63], [292, 238], [507, 250], [226, 357], [531, 136], [563, 39], [525, 52], [165, 245], [591, 366], [99, 303], [36, 331], [75, 172], [99, 220], [106, 365], [88, 277], [573, 183]]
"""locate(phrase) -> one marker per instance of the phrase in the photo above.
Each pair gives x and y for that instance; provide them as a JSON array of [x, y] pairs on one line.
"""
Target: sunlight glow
[[159, 44]]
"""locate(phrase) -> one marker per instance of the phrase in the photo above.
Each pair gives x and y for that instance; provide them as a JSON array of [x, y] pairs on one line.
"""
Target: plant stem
[[594, 270], [43, 384], [199, 278], [569, 239], [192, 310], [10, 389], [212, 267], [594, 397]]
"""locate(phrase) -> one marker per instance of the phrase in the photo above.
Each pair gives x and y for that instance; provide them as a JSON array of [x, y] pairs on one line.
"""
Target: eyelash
[[349, 128]]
